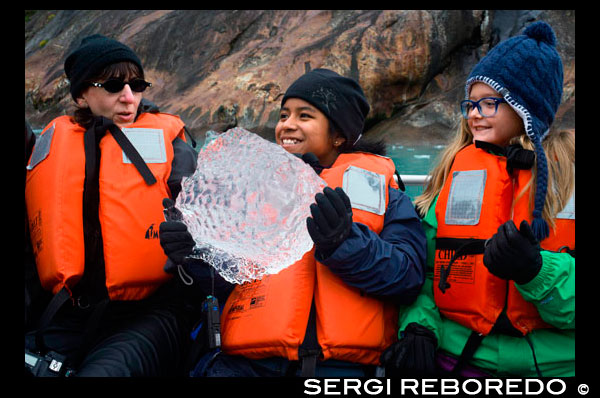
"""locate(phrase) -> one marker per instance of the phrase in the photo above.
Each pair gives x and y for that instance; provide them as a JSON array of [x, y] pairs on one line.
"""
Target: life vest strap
[[461, 247], [53, 306], [91, 326], [472, 344], [567, 249], [309, 351], [517, 157], [132, 154], [537, 368], [399, 181], [91, 138]]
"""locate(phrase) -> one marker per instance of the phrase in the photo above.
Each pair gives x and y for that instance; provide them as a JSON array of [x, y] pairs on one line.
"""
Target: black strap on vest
[[400, 182], [472, 344], [516, 156], [131, 153], [567, 249], [98, 129], [461, 247], [309, 351], [53, 306]]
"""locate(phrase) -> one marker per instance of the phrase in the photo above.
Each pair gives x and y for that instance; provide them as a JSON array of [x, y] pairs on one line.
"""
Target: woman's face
[[119, 107], [498, 129], [302, 128]]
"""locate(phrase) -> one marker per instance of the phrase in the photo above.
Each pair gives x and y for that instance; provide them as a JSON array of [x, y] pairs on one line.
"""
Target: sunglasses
[[116, 85]]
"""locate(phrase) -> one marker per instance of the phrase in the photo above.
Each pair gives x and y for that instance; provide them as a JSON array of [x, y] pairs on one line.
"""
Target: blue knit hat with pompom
[[528, 72]]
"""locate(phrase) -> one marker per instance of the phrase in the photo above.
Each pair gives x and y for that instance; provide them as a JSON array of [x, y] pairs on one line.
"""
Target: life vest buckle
[[444, 284], [83, 302]]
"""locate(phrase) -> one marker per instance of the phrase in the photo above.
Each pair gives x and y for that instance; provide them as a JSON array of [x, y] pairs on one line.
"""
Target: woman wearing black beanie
[[94, 190]]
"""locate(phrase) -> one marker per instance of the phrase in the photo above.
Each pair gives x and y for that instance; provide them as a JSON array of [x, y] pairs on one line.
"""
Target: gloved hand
[[311, 160], [413, 355], [176, 241], [331, 220], [512, 254]]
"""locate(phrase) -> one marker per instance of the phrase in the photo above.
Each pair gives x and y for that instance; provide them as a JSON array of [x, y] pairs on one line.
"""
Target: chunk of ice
[[246, 205]]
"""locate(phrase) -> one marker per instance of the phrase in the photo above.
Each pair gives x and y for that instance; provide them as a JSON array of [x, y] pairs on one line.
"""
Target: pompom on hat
[[528, 72], [340, 98], [93, 54]]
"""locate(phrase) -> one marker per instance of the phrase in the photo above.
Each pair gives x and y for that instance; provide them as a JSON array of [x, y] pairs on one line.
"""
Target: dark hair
[[377, 147], [123, 70]]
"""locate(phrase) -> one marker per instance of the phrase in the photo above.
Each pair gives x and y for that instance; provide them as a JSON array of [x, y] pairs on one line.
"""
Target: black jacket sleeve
[[184, 164]]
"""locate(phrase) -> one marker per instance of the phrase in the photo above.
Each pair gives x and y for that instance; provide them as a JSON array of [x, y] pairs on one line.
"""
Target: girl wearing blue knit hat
[[499, 215]]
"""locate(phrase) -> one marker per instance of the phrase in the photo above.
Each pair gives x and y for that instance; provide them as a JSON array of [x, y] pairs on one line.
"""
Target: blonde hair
[[560, 152]]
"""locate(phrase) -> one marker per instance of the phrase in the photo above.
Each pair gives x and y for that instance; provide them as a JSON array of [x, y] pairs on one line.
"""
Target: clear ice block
[[246, 205]]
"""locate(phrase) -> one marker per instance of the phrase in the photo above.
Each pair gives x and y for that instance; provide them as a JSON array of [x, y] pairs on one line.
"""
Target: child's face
[[302, 128], [498, 129]]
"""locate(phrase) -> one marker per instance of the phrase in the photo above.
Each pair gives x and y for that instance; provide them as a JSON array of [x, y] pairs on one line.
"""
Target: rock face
[[220, 69]]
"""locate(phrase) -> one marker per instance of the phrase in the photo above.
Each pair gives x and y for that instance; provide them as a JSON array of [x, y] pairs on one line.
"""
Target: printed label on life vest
[[569, 211], [462, 269], [41, 148], [365, 189], [466, 197], [249, 296], [150, 144], [35, 230]]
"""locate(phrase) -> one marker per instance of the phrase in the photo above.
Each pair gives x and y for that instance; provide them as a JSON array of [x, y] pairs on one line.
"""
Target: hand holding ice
[[246, 205]]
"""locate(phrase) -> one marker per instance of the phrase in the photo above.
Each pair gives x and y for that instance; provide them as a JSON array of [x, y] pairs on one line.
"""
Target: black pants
[[143, 338]]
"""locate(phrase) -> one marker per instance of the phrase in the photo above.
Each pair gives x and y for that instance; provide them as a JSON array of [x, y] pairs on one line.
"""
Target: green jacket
[[553, 293]]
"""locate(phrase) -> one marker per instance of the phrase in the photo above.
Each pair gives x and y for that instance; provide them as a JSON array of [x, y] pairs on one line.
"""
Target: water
[[411, 159]]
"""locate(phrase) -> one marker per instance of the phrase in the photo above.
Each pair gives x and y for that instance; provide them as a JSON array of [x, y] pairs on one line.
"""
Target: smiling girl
[[334, 311], [499, 215]]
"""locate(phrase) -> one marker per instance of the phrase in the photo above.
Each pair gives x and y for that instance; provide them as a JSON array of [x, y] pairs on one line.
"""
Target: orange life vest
[[478, 196], [269, 317], [130, 211]]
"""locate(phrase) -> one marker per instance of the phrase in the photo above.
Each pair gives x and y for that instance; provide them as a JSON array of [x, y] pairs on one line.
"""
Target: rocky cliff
[[218, 69]]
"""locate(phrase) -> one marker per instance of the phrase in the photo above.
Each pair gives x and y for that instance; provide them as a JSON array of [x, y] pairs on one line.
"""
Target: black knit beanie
[[93, 54], [340, 98]]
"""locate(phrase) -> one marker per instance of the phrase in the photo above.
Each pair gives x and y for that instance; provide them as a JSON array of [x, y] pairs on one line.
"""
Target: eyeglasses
[[487, 106], [116, 85]]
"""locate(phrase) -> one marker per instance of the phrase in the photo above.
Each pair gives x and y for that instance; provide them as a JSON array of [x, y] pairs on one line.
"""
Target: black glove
[[413, 355], [176, 241], [512, 254], [331, 220], [311, 160]]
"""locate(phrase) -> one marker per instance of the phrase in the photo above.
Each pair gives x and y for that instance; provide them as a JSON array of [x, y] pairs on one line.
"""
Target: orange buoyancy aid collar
[[269, 317], [478, 196], [130, 210]]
